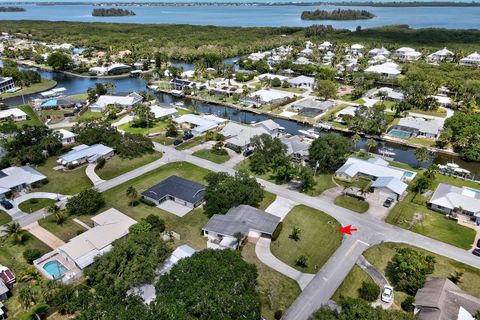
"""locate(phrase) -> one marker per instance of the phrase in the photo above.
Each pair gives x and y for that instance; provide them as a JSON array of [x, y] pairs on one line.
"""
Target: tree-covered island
[[112, 12], [338, 14]]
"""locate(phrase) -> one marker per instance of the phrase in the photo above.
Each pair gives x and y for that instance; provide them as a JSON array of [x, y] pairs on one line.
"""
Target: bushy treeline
[[11, 9], [112, 12], [20, 77], [338, 14]]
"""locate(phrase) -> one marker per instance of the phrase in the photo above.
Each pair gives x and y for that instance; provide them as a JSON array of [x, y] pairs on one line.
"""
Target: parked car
[[387, 294], [177, 142], [388, 203], [247, 152], [6, 204], [476, 252], [478, 243], [187, 135]]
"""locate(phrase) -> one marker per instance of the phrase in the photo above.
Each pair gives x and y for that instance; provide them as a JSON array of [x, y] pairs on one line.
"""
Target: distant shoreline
[[238, 4]]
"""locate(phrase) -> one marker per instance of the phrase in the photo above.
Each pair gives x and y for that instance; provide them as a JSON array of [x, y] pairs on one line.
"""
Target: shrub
[[31, 254], [278, 314], [86, 202], [100, 163], [147, 202], [71, 166], [277, 231], [407, 304], [301, 261], [369, 291], [140, 227], [33, 201], [156, 222]]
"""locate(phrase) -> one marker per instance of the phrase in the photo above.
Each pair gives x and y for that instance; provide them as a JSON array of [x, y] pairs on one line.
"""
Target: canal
[[76, 85]]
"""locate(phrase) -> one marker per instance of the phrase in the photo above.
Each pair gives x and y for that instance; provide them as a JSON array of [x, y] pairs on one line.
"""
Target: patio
[[174, 208]]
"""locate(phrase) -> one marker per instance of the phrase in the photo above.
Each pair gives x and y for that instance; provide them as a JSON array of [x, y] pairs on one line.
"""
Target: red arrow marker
[[347, 230]]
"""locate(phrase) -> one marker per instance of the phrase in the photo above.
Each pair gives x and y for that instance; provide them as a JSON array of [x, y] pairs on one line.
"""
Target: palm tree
[[59, 215], [15, 231], [26, 296], [356, 139], [132, 195], [371, 143], [422, 154]]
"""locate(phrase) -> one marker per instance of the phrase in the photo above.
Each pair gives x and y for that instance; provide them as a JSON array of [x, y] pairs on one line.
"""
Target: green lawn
[[323, 182], [157, 127], [292, 90], [351, 284], [88, 115], [439, 113], [4, 217], [55, 112], [381, 255], [282, 290], [195, 141], [11, 255], [423, 141], [209, 155], [116, 165], [44, 85], [168, 141], [267, 200], [352, 203], [33, 205], [319, 238], [64, 182], [79, 96], [65, 231], [434, 225], [32, 118]]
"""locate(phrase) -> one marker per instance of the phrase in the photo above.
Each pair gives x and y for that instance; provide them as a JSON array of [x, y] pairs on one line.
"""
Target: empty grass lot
[[283, 290], [33, 205], [319, 238], [157, 127], [351, 284], [4, 217], [116, 165], [63, 182], [207, 154], [352, 203]]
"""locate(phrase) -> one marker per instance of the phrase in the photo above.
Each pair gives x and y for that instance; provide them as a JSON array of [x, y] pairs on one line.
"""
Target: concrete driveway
[[376, 209], [174, 208], [281, 207]]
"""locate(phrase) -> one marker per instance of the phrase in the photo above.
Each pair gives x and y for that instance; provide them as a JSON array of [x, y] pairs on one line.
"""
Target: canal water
[[76, 85]]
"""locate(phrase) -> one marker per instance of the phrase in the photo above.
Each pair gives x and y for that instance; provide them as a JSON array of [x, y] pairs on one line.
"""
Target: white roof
[[14, 176], [353, 166], [301, 79], [390, 183], [161, 112], [106, 100], [379, 51], [390, 68], [442, 53], [84, 151], [214, 118], [15, 112], [357, 46], [240, 135], [110, 225], [325, 44], [270, 76], [452, 197], [391, 93], [270, 95], [200, 122], [65, 133], [404, 50], [473, 56], [269, 125], [431, 126]]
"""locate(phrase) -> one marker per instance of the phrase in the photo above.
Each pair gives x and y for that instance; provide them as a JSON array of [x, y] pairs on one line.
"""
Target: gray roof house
[[447, 198], [429, 128], [302, 82], [83, 153], [248, 220], [180, 190], [441, 299], [297, 148], [312, 107], [3, 291], [239, 135]]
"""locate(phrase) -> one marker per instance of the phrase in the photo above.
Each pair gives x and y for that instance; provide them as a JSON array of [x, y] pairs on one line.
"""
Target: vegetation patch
[[4, 218], [300, 236], [208, 154], [352, 203], [35, 204], [117, 166], [66, 230], [338, 14]]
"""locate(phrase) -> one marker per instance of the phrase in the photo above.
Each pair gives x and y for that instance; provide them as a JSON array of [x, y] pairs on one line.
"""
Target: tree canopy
[[86, 202], [463, 131], [329, 151]]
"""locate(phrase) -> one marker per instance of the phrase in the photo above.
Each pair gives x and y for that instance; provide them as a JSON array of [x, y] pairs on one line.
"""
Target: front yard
[[65, 230], [155, 128], [207, 154], [4, 217], [318, 238], [351, 284], [352, 203], [33, 205], [116, 165]]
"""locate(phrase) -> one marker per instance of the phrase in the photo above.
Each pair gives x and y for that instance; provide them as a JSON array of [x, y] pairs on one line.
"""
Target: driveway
[[376, 209], [174, 208], [377, 277], [281, 207], [44, 235], [92, 175]]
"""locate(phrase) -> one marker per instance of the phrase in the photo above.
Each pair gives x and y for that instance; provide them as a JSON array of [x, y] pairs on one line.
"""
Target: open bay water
[[258, 16]]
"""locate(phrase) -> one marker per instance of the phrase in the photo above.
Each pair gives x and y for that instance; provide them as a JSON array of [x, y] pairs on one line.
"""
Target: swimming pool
[[399, 134], [55, 269], [409, 174]]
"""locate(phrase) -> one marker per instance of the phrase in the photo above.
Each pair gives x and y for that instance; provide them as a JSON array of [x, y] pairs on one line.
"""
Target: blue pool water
[[55, 269], [399, 134]]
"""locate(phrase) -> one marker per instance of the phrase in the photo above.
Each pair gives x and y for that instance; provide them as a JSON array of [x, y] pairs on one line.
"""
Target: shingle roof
[[242, 219], [177, 187]]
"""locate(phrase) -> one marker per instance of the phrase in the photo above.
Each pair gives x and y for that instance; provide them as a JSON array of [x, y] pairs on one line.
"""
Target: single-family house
[[417, 127], [406, 54], [390, 94], [185, 192], [124, 101], [251, 222], [449, 199], [297, 148], [302, 82], [14, 114], [163, 111], [443, 55], [18, 179], [197, 124], [7, 276], [326, 45], [357, 48], [379, 51], [114, 68], [387, 69], [83, 153], [472, 59], [7, 84], [327, 57], [239, 135], [67, 137], [269, 76], [273, 128], [266, 96], [312, 107], [306, 52], [387, 181], [302, 61], [3, 292], [441, 299]]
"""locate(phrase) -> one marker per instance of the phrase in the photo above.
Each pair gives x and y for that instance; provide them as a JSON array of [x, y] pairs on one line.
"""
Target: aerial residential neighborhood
[[178, 171]]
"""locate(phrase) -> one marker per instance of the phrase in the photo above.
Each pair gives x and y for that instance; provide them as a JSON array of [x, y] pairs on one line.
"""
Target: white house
[[302, 61], [302, 82], [18, 179], [15, 114], [448, 198], [443, 55], [387, 69], [418, 126], [273, 128], [406, 54], [269, 76], [379, 51], [391, 94], [472, 59], [7, 84], [357, 48], [104, 70], [127, 101], [266, 96], [66, 136], [326, 45], [83, 153], [239, 135], [163, 112], [198, 124]]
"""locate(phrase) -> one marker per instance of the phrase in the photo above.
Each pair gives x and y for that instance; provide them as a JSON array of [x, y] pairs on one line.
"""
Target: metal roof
[[86, 152]]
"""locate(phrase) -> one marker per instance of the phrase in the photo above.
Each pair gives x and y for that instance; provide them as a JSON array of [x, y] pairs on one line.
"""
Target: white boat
[[53, 93], [178, 93], [310, 133], [325, 126], [452, 165], [386, 152], [179, 104]]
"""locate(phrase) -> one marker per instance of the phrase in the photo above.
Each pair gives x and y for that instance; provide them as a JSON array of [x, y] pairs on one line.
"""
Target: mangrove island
[[338, 14], [112, 12]]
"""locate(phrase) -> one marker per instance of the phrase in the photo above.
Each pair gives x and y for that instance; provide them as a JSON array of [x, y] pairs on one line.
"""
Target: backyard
[[116, 165], [207, 154], [351, 284], [277, 292], [63, 182], [32, 118], [35, 204], [352, 203], [318, 238]]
